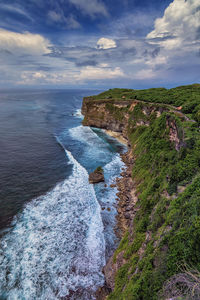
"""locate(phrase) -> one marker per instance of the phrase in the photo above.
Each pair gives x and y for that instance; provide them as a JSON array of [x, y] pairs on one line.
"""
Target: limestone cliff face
[[122, 116], [97, 114]]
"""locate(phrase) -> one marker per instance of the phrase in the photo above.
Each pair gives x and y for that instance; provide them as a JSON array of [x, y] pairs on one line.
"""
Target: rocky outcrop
[[175, 136], [106, 115], [120, 116], [96, 176]]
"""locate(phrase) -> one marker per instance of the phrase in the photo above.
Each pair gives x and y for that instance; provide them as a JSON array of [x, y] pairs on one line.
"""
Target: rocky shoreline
[[126, 195], [126, 200], [96, 114]]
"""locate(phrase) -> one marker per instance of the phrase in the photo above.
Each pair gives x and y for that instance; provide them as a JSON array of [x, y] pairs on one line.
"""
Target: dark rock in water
[[113, 185], [96, 176]]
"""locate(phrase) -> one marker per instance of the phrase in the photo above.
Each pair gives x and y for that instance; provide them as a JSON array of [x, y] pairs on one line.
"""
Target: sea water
[[57, 230]]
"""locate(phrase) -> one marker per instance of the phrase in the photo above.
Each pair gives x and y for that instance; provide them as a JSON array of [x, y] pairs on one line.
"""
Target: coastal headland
[[158, 191]]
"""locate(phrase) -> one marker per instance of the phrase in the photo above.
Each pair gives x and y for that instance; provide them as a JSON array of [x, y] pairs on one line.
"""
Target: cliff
[[158, 198]]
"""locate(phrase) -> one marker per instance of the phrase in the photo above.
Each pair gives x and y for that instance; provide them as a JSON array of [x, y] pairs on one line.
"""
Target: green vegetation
[[188, 97], [166, 228], [99, 170], [118, 113], [172, 224]]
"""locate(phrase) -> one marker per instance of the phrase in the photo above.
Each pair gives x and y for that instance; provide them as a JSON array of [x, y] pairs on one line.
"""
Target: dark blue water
[[56, 229]]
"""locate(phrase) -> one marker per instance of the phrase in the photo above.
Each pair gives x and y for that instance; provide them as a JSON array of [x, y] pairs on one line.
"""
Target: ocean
[[56, 229]]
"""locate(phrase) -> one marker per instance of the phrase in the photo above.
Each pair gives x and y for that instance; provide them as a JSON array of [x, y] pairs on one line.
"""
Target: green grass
[[186, 96]]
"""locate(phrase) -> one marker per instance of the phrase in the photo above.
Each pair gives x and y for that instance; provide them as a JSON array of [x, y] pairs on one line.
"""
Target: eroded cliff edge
[[161, 175]]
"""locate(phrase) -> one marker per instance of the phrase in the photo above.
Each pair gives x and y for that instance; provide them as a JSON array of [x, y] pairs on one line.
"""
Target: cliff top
[[185, 98]]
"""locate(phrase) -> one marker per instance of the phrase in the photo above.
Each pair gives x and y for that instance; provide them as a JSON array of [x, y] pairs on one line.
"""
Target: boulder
[[96, 176], [113, 185]]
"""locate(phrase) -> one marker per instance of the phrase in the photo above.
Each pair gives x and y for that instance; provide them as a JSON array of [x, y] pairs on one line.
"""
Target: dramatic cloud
[[23, 42], [91, 8], [179, 25], [84, 47], [105, 43]]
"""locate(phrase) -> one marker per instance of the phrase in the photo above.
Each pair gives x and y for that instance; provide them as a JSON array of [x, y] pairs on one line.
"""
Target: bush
[[99, 169]]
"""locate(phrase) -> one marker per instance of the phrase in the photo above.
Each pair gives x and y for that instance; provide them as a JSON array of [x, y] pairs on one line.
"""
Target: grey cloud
[[161, 39], [91, 8], [5, 52], [197, 9], [88, 56], [151, 53], [86, 63], [155, 52], [57, 17], [129, 51], [198, 33]]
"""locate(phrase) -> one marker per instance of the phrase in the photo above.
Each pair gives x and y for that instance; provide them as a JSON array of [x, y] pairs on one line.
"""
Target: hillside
[[158, 205], [188, 97]]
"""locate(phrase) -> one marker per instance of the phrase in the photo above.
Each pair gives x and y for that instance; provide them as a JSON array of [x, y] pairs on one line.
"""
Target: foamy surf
[[97, 150], [78, 114], [56, 248]]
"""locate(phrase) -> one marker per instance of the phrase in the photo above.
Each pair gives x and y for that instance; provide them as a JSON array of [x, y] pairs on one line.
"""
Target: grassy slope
[[167, 229], [186, 96]]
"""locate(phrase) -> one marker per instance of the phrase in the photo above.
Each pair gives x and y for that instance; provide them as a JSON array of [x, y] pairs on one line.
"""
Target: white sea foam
[[107, 197], [94, 147], [78, 114], [86, 135], [57, 245]]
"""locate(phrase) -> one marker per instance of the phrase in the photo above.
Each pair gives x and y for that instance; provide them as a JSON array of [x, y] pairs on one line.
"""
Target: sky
[[99, 44]]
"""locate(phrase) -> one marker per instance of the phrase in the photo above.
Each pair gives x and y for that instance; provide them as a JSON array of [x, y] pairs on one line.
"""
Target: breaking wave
[[56, 247]]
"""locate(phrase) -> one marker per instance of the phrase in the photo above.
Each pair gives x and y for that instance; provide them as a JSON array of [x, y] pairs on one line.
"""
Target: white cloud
[[177, 36], [168, 54], [39, 75], [179, 25], [90, 8], [145, 74], [46, 78], [70, 76], [158, 60], [95, 73], [23, 42], [105, 43]]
